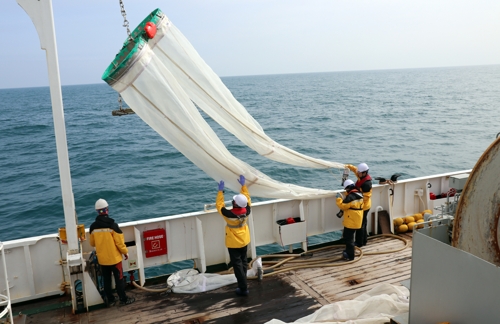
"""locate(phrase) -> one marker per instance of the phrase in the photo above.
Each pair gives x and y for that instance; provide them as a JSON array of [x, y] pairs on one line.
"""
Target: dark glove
[[221, 185], [242, 180], [340, 214]]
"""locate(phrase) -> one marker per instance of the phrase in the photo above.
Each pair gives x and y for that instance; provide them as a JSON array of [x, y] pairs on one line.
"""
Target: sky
[[255, 37]]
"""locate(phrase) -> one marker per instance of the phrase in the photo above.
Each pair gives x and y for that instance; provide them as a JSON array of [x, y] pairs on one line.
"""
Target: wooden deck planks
[[351, 280], [287, 296]]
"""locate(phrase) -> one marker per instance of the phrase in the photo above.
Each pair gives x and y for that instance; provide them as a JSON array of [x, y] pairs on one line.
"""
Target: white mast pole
[[40, 12]]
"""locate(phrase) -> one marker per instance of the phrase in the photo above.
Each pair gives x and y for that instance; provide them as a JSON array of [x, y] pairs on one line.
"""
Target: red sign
[[155, 242]]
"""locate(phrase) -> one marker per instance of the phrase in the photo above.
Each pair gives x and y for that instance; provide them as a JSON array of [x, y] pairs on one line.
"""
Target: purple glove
[[241, 180], [221, 185]]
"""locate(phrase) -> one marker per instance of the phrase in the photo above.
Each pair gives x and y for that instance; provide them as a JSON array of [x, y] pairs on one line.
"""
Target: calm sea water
[[416, 122]]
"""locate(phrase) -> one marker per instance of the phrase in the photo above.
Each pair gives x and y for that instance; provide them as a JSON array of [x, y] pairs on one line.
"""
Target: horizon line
[[289, 73]]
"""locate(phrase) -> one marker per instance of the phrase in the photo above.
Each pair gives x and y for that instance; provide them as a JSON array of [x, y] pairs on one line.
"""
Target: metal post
[[40, 12], [5, 299]]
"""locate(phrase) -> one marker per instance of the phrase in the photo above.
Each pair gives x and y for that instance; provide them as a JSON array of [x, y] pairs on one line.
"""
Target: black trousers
[[349, 241], [117, 272], [362, 233], [240, 264]]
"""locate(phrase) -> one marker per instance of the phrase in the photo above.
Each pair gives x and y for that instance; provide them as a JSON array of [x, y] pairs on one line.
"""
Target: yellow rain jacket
[[237, 232], [352, 205], [364, 185], [107, 238]]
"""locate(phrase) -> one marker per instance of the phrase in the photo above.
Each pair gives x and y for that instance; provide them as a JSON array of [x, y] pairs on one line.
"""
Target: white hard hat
[[240, 200], [348, 183], [101, 204], [363, 167]]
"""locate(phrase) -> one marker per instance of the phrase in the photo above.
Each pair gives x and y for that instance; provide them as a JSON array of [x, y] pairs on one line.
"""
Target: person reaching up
[[364, 185], [237, 232]]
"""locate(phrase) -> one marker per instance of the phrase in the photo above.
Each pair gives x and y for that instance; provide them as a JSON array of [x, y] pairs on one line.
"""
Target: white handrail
[[5, 300]]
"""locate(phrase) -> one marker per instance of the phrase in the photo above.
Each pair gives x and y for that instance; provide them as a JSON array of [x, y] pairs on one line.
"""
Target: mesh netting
[[163, 78]]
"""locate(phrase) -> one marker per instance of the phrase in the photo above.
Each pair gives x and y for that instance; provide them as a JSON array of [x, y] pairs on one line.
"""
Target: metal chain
[[120, 101], [124, 14], [125, 24]]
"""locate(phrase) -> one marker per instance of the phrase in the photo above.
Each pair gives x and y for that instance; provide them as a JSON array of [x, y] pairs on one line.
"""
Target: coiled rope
[[278, 266], [158, 290], [275, 265]]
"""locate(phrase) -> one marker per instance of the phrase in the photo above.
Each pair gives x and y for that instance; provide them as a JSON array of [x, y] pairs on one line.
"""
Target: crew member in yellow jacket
[[364, 185], [352, 210], [237, 232], [107, 238]]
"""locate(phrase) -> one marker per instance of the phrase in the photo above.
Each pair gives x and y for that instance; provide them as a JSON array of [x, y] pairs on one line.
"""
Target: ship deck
[[286, 296]]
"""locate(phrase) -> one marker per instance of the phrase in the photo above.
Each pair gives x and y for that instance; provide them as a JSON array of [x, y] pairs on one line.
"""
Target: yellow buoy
[[403, 228], [420, 221], [410, 226], [398, 221], [418, 217], [409, 219]]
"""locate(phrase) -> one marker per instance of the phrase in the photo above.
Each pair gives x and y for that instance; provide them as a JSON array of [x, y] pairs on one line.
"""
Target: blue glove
[[339, 195], [221, 185], [241, 180]]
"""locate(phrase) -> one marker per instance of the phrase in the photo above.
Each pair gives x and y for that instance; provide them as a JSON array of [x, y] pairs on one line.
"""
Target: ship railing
[[213, 206], [5, 299]]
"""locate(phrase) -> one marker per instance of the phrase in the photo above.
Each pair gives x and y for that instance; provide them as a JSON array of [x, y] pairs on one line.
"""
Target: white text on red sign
[[157, 237]]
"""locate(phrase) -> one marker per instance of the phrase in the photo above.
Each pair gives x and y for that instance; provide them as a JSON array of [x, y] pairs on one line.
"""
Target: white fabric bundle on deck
[[189, 281], [376, 306]]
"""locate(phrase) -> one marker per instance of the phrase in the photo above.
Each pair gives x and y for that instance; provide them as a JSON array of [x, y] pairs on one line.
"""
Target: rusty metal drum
[[476, 226]]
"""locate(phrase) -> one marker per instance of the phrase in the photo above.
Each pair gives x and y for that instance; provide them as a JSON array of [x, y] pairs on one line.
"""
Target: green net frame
[[131, 49]]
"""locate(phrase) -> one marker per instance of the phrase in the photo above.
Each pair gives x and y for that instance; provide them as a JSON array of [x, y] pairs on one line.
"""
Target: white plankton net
[[163, 77]]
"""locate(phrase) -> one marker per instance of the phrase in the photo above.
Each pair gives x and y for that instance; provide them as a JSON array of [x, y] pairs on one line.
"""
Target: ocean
[[416, 122]]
